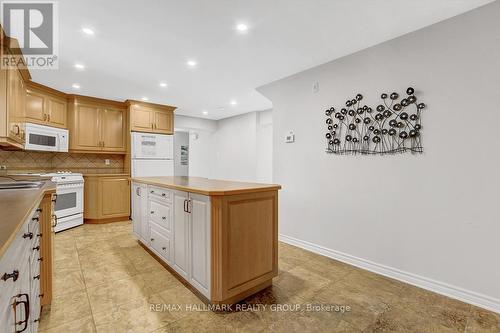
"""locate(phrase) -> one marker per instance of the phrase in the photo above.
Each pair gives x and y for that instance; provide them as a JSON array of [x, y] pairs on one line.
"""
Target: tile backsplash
[[26, 161]]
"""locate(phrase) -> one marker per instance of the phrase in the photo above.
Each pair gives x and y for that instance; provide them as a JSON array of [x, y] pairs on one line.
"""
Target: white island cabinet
[[175, 225], [220, 237]]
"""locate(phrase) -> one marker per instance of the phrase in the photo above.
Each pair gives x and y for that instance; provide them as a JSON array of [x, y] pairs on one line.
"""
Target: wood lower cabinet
[[106, 198], [97, 125], [151, 118], [45, 106]]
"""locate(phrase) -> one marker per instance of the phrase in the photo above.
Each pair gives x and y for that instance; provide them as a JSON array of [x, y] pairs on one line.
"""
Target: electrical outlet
[[107, 162]]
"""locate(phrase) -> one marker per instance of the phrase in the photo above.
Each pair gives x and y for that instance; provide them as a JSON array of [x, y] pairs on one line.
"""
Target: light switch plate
[[290, 137]]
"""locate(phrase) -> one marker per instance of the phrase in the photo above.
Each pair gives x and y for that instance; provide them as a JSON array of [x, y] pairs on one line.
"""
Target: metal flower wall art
[[393, 127]]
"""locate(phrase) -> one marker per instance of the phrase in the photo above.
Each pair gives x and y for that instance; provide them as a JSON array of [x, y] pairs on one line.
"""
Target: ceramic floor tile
[[80, 325], [66, 308], [482, 321], [135, 316], [108, 296], [105, 281]]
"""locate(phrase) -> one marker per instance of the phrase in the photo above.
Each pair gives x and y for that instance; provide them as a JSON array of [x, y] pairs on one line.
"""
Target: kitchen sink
[[20, 185]]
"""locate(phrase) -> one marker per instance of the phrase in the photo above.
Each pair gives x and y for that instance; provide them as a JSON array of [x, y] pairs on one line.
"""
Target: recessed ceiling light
[[205, 112], [191, 63], [76, 86], [145, 99], [88, 31], [163, 84], [80, 66], [242, 27], [233, 102]]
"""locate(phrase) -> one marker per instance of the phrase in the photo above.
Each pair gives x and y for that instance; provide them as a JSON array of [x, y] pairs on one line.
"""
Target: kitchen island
[[221, 237]]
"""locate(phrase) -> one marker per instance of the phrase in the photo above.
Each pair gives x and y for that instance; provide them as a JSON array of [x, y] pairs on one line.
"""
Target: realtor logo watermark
[[34, 24]]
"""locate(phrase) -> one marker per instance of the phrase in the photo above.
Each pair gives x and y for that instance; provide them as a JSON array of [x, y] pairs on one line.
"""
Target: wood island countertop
[[206, 186], [16, 206]]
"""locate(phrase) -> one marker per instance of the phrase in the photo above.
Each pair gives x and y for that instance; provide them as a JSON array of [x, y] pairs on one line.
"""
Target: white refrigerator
[[152, 155]]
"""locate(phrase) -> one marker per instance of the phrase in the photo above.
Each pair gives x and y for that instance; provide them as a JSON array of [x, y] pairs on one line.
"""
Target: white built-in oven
[[46, 138], [69, 200]]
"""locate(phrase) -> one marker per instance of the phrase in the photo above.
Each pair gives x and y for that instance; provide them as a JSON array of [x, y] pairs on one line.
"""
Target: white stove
[[69, 201]]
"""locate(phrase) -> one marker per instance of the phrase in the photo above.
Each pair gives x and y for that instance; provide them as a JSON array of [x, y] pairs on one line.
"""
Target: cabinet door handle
[[138, 191], [55, 221], [188, 206], [48, 117], [185, 202], [39, 210], [152, 239], [28, 235], [35, 219], [164, 248], [44, 117], [36, 248], [14, 275], [36, 277], [26, 304], [152, 212], [163, 217]]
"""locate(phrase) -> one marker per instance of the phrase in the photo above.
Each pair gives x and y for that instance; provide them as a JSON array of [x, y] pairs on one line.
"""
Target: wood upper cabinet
[[113, 129], [97, 126], [164, 122], [12, 102], [85, 131], [45, 106], [151, 118], [106, 197]]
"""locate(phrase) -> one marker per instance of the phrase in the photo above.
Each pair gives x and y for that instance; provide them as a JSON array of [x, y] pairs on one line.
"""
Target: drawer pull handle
[[28, 235], [35, 219], [36, 277], [152, 212], [152, 191], [14, 275], [164, 248], [39, 235], [164, 217], [26, 304], [40, 259], [41, 295], [39, 210], [163, 194], [36, 320], [36, 248], [152, 239]]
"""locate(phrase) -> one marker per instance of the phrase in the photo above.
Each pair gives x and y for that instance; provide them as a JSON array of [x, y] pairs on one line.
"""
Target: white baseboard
[[442, 288]]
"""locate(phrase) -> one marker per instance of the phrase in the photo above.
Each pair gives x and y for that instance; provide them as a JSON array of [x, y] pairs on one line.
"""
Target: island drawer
[[160, 244], [159, 193], [161, 213]]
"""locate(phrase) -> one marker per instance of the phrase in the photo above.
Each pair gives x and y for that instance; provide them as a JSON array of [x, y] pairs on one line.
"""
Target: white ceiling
[[140, 43]]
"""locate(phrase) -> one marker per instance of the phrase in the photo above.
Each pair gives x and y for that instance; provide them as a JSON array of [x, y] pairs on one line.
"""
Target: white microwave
[[46, 138]]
